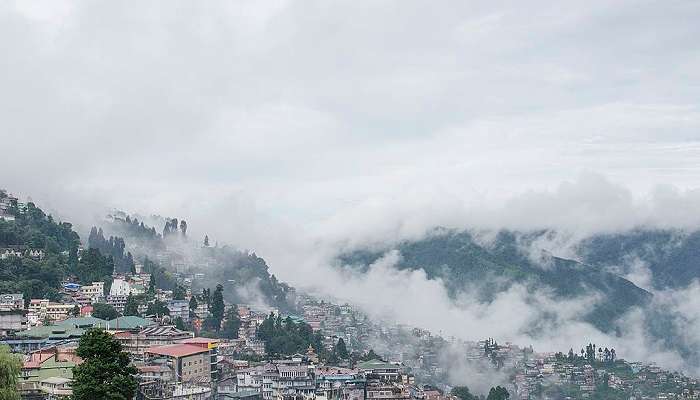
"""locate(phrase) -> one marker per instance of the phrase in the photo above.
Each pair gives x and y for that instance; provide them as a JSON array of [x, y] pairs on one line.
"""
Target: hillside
[[245, 276], [672, 256], [39, 253], [462, 261]]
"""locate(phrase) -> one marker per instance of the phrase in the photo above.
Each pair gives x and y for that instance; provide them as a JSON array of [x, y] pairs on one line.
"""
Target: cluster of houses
[[174, 364]]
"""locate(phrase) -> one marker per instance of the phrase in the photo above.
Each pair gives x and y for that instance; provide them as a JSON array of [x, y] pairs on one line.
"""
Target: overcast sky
[[303, 111]]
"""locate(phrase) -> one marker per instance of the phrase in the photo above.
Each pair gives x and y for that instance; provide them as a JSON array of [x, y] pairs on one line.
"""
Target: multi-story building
[[187, 361], [118, 301], [212, 345], [179, 308], [12, 321], [11, 301], [136, 343], [94, 292]]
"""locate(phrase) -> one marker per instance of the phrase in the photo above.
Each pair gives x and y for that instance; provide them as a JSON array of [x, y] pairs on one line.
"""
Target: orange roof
[[177, 350]]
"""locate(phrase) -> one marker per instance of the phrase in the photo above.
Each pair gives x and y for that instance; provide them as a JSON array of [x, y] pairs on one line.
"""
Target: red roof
[[177, 350]]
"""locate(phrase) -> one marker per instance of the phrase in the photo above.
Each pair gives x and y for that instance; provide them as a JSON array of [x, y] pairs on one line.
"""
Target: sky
[[301, 111], [295, 127]]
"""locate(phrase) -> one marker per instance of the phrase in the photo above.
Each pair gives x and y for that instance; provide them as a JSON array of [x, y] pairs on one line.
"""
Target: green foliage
[[179, 292], [287, 337], [37, 277], [131, 307], [231, 324], [460, 260], [94, 267], [10, 368], [180, 324], [104, 311], [113, 247], [341, 350], [157, 308], [498, 393], [463, 393], [193, 303], [106, 372], [217, 307]]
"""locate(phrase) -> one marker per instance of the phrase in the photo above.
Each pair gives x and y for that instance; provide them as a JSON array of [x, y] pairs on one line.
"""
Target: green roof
[[55, 332], [130, 322], [376, 364], [84, 322]]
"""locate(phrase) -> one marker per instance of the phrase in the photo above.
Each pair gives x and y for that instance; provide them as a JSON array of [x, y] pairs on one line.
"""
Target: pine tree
[[131, 307], [106, 372], [217, 307]]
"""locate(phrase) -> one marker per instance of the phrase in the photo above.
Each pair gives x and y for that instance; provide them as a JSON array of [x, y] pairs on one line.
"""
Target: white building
[[120, 287]]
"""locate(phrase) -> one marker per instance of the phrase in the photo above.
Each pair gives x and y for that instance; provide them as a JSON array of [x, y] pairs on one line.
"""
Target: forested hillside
[[45, 252], [462, 261]]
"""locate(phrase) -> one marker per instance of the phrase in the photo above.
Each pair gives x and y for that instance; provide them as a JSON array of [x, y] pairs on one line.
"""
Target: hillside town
[[187, 342]]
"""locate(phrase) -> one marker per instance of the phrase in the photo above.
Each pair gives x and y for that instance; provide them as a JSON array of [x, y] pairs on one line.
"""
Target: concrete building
[[188, 362], [179, 308], [12, 321], [11, 301], [136, 343]]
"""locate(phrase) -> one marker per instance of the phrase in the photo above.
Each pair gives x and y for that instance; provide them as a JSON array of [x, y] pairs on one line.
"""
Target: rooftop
[[177, 350]]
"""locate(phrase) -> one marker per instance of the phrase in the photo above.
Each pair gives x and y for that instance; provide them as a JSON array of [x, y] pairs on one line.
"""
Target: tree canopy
[[105, 372]]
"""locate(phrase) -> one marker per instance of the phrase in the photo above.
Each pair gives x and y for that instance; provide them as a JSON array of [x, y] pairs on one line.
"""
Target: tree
[[10, 368], [498, 393], [75, 311], [232, 323], [157, 308], [206, 241], [106, 372], [179, 293], [341, 350], [104, 311], [193, 303], [217, 307], [183, 227], [463, 393], [131, 307], [152, 285], [180, 324]]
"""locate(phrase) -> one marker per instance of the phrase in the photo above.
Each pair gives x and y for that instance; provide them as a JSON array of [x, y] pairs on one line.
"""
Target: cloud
[[298, 128]]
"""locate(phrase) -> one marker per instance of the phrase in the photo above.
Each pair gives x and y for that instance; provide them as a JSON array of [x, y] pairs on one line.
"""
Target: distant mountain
[[462, 259], [672, 256]]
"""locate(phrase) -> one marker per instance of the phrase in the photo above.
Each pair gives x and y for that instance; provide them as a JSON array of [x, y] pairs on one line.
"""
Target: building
[[11, 301], [120, 287], [94, 292], [179, 308], [41, 309], [12, 321], [187, 361], [136, 343], [212, 345], [118, 301], [52, 362], [57, 388]]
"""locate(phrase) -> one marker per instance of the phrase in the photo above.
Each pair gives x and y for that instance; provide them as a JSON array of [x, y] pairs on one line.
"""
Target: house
[[94, 291], [189, 362], [57, 388], [137, 342], [212, 345], [11, 301], [12, 321], [179, 308], [52, 362]]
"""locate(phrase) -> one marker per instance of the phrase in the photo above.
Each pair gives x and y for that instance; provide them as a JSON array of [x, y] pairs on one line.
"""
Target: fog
[[302, 129]]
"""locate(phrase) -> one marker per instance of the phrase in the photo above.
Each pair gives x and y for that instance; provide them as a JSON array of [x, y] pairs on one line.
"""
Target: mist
[[300, 130]]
